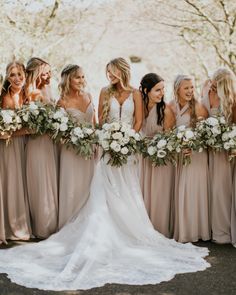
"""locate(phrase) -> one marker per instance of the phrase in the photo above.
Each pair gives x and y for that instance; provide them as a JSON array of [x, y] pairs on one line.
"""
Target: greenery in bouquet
[[10, 121], [35, 116], [160, 149], [210, 131], [118, 141], [83, 139], [187, 140]]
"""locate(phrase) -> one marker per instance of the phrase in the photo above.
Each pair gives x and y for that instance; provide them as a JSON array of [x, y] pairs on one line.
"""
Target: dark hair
[[146, 85]]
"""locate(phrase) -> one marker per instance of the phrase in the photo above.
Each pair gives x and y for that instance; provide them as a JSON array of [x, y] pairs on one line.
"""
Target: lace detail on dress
[[80, 116], [124, 112]]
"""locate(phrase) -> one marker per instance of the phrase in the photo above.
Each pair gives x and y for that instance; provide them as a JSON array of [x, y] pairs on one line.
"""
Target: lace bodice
[[124, 112], [80, 116]]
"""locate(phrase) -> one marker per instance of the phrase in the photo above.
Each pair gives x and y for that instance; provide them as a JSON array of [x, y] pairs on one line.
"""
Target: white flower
[[124, 150], [189, 134], [56, 125], [115, 126], [227, 146], [18, 119], [212, 121], [151, 150], [88, 131], [73, 139], [7, 117], [216, 130], [181, 128], [117, 135], [59, 114], [137, 137], [161, 143], [169, 147], [180, 135], [225, 136], [105, 145], [124, 127], [77, 131], [106, 126], [64, 119], [222, 120], [161, 154], [200, 150], [115, 146], [63, 127], [131, 132], [178, 149], [33, 106]]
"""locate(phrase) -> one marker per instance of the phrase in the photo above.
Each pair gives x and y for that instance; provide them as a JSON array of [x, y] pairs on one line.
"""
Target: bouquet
[[118, 141], [159, 149], [229, 140], [35, 116], [82, 139], [210, 131], [186, 141], [60, 124], [10, 121]]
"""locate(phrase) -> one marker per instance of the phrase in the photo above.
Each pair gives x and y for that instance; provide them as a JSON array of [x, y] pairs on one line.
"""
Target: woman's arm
[[138, 110], [169, 120]]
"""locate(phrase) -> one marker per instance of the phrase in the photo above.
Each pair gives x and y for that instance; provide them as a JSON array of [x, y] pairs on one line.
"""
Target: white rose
[[7, 118], [73, 139], [161, 154], [63, 127], [161, 143], [130, 132], [216, 130], [88, 131], [151, 150], [222, 120], [124, 150], [189, 134], [169, 147], [137, 136], [225, 136], [181, 128], [227, 146], [18, 119], [32, 106], [106, 126], [125, 127], [64, 119], [78, 132], [180, 135], [178, 150], [115, 146], [105, 145], [117, 135], [56, 125], [212, 121]]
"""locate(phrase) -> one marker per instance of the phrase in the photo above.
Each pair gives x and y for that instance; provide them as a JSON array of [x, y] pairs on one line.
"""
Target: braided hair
[[146, 85]]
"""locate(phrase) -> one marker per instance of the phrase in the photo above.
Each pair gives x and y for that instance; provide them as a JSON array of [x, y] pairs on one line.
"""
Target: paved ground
[[218, 279]]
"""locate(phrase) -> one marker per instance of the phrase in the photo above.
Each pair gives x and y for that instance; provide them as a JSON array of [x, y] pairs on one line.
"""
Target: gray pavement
[[219, 279]]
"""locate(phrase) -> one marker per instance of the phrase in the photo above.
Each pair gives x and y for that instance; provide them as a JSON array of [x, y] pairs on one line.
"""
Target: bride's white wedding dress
[[110, 241]]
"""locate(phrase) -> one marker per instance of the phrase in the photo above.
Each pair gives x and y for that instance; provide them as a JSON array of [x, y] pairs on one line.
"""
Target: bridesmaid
[[75, 172], [191, 221], [157, 182], [14, 215], [219, 95], [41, 162]]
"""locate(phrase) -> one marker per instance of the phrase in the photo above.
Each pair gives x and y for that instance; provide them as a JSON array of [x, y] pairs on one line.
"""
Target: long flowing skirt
[[192, 220], [220, 196], [14, 214], [75, 180], [111, 241], [42, 183], [158, 192]]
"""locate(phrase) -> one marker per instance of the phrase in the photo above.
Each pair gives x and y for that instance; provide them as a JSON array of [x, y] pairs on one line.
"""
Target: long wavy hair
[[34, 69], [192, 102], [67, 73], [226, 90], [146, 85], [7, 85], [115, 65]]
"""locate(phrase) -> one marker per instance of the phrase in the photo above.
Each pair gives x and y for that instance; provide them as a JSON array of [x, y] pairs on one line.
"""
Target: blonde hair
[[121, 65], [177, 84], [67, 73], [6, 84], [226, 90], [34, 69]]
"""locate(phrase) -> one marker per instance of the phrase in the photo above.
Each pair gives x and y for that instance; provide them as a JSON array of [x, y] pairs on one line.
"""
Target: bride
[[111, 240]]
